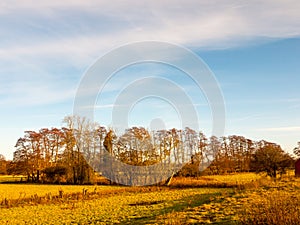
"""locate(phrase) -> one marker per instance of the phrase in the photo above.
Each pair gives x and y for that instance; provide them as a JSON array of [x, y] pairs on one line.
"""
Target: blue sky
[[253, 48]]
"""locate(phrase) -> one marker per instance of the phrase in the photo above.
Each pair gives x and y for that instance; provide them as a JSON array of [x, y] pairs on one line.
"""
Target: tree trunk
[[74, 175], [169, 180], [37, 176]]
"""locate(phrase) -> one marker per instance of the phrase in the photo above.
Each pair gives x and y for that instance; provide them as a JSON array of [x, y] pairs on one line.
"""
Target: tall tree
[[270, 158], [3, 165], [80, 133], [22, 159], [136, 147]]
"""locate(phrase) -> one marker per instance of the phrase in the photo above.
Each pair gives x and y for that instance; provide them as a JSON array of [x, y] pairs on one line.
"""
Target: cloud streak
[[75, 33], [281, 129], [195, 23]]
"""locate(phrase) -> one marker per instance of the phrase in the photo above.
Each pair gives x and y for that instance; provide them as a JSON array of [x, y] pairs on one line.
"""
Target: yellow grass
[[15, 191], [9, 178], [262, 202], [124, 207], [233, 180], [277, 203]]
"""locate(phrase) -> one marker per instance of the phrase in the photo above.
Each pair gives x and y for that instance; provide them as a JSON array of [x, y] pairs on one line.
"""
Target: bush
[[54, 174]]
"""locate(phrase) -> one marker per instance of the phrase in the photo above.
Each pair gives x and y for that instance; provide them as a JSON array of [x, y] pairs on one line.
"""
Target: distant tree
[[249, 151], [22, 163], [73, 152], [270, 158], [297, 150], [79, 139], [3, 165], [108, 141], [216, 165], [135, 147], [199, 151]]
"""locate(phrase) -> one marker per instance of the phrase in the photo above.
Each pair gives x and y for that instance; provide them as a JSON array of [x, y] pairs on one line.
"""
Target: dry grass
[[67, 194], [141, 206], [276, 209], [10, 179], [221, 181], [17, 191], [251, 199]]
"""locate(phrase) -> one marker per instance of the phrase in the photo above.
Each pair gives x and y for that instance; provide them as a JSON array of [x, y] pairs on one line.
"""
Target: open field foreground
[[207, 200]]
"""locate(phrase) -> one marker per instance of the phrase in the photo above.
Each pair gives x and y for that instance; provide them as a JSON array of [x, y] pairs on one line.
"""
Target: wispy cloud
[[248, 118], [214, 25], [281, 129], [47, 34], [29, 95], [26, 84]]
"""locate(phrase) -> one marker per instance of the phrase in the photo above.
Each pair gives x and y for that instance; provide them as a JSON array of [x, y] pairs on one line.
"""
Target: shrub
[[55, 173]]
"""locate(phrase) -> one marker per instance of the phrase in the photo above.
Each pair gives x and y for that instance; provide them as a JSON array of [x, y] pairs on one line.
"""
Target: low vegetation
[[275, 206], [229, 199]]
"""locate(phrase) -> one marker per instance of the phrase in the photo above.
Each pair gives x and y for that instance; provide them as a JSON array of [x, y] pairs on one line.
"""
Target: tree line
[[71, 153]]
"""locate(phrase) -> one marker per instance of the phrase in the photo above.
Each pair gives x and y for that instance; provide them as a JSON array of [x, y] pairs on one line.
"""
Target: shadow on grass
[[178, 206]]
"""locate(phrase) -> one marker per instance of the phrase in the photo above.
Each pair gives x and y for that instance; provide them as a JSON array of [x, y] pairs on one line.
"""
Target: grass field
[[232, 199], [16, 191], [9, 178]]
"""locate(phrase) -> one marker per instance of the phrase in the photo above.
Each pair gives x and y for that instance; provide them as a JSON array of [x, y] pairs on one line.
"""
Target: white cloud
[[217, 24]]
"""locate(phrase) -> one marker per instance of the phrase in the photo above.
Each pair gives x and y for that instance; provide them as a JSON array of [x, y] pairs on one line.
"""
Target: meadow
[[232, 199]]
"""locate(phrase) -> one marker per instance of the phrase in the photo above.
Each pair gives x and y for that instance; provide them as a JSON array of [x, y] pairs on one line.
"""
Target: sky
[[251, 47]]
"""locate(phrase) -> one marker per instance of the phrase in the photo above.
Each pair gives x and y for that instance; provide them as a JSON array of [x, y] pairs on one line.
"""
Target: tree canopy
[[270, 158], [71, 153]]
